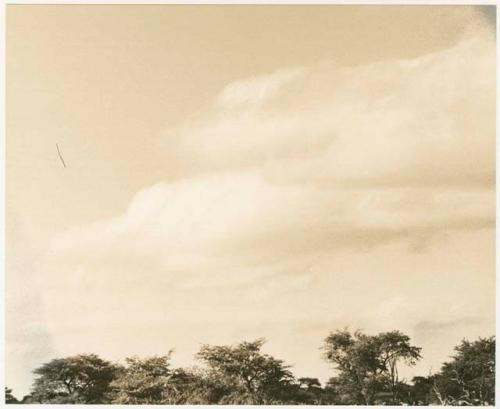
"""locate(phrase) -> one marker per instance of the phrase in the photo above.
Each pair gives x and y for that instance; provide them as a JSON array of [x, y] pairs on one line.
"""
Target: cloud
[[427, 121], [255, 91], [323, 194], [242, 219], [303, 162]]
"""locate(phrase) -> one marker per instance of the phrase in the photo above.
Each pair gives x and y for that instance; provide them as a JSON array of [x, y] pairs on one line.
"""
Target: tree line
[[366, 372]]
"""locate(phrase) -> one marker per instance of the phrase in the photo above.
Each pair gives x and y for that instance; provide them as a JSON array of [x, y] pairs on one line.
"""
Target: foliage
[[78, 379], [9, 397], [153, 381], [420, 392], [194, 386], [469, 378], [305, 394], [142, 381], [366, 373], [250, 376], [367, 365]]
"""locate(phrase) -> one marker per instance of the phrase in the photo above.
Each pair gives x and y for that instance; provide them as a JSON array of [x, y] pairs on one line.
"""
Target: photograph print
[[250, 204]]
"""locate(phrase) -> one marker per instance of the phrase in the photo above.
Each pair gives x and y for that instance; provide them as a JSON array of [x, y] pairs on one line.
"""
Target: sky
[[236, 172]]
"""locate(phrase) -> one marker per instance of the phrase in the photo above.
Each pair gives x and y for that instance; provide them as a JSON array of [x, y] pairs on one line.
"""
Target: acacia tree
[[469, 378], [368, 365], [153, 381], [195, 386], [395, 347], [77, 379], [251, 376], [143, 381]]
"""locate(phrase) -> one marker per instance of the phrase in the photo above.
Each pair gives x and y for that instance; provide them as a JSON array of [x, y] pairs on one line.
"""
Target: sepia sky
[[236, 172]]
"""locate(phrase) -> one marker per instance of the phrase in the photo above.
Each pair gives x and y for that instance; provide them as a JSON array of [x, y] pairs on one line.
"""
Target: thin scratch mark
[[60, 156]]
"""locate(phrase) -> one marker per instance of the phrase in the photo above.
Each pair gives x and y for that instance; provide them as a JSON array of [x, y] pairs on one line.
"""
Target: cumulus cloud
[[427, 121], [311, 159], [313, 187], [211, 226]]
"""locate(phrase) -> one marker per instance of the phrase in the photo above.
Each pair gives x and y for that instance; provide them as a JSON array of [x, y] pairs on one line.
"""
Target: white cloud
[[255, 91], [427, 121], [243, 218], [311, 196]]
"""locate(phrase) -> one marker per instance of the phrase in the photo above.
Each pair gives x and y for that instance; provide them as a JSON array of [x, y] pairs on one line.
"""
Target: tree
[[309, 383], [78, 379], [310, 392], [250, 377], [28, 400], [368, 365], [194, 386], [143, 381], [367, 373], [469, 378], [395, 347], [421, 391], [9, 397], [153, 381]]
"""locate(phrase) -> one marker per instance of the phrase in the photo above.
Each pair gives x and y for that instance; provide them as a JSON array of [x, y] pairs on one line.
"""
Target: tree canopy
[[78, 379], [254, 377], [142, 381], [366, 372], [469, 378], [367, 365]]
